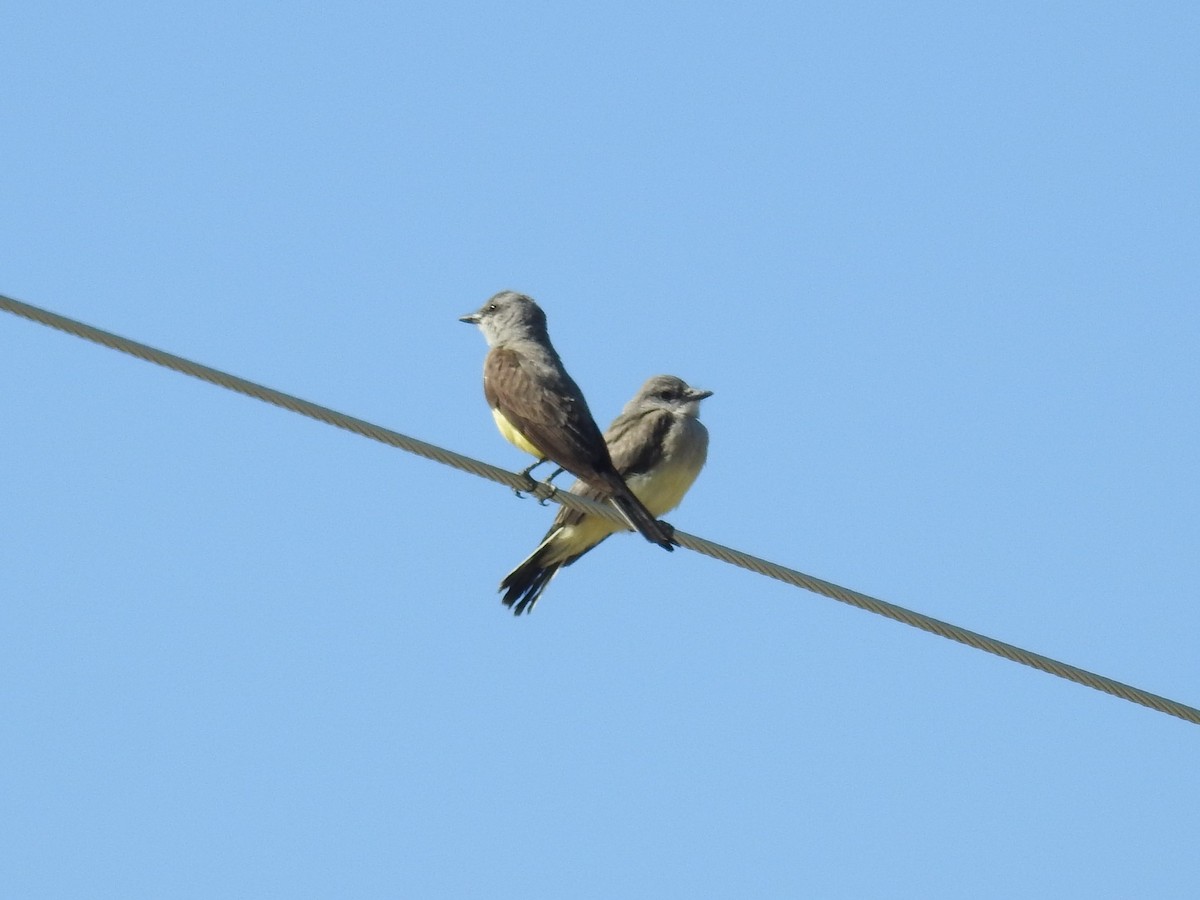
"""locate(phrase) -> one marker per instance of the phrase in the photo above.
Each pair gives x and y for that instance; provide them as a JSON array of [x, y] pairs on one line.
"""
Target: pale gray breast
[[685, 449], [686, 444]]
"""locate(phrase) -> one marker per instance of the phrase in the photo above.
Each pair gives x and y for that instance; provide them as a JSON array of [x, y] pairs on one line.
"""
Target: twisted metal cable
[[940, 628], [543, 490]]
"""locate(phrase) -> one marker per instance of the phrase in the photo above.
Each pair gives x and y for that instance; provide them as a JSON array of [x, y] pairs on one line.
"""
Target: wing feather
[[547, 408], [636, 440]]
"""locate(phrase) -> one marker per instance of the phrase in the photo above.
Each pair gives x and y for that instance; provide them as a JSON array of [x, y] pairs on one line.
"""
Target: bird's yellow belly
[[660, 492], [513, 436], [663, 489]]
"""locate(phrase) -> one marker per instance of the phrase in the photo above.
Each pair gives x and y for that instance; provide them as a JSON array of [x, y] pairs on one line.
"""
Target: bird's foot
[[670, 532], [524, 473], [553, 490]]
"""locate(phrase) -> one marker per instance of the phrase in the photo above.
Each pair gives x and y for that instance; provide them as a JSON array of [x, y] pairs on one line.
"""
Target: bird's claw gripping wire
[[536, 489], [534, 484], [542, 501], [524, 473]]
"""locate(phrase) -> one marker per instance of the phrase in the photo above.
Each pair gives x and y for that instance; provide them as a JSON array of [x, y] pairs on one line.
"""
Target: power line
[[545, 491]]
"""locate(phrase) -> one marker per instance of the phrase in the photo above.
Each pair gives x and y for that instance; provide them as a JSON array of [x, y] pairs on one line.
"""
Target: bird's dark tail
[[639, 517], [524, 585]]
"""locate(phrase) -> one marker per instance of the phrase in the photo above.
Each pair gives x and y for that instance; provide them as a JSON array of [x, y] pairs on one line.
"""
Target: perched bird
[[540, 409], [659, 446]]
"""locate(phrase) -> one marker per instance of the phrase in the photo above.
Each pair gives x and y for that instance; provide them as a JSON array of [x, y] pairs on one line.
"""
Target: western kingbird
[[659, 445], [540, 409]]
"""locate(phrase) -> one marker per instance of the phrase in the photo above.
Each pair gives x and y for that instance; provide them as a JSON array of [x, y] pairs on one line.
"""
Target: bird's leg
[[525, 474], [553, 489]]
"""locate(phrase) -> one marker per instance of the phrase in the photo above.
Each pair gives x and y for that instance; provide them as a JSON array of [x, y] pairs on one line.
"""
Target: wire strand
[[542, 490]]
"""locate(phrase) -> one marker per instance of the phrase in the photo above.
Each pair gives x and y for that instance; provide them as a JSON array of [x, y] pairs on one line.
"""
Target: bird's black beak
[[470, 318], [699, 395]]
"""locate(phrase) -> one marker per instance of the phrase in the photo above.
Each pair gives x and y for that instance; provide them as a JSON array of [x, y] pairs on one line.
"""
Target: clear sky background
[[939, 264]]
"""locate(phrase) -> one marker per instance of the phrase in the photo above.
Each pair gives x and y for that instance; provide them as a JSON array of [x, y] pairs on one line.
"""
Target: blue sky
[[938, 265]]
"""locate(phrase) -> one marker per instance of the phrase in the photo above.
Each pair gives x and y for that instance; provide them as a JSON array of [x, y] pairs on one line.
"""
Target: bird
[[659, 445], [540, 409]]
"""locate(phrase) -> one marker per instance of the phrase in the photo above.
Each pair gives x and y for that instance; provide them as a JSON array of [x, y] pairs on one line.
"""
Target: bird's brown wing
[[544, 404], [548, 409]]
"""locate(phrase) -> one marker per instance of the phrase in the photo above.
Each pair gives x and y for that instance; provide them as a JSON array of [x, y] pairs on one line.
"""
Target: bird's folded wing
[[636, 440], [547, 408]]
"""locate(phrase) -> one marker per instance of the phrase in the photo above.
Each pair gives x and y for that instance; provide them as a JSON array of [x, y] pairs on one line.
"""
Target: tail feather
[[523, 585], [639, 517]]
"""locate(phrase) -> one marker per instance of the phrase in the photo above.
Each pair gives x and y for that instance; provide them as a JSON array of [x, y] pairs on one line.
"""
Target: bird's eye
[[491, 307]]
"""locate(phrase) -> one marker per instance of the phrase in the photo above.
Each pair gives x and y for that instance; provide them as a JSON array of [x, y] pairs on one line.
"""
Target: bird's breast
[[512, 435], [662, 488]]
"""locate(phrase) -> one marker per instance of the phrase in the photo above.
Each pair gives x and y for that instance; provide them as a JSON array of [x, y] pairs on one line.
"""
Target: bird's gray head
[[669, 393], [509, 316]]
